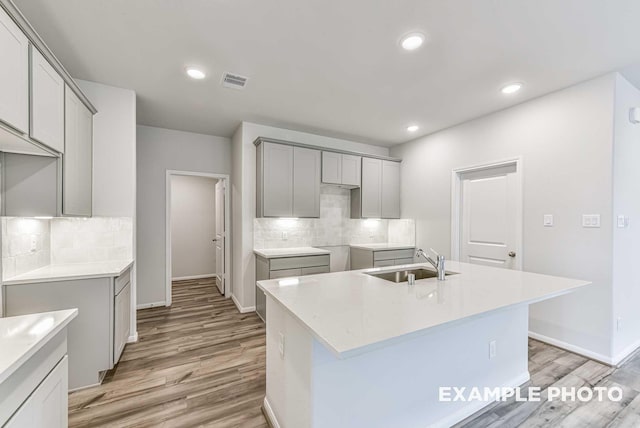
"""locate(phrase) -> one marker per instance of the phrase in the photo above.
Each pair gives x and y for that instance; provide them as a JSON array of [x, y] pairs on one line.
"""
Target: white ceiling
[[335, 66]]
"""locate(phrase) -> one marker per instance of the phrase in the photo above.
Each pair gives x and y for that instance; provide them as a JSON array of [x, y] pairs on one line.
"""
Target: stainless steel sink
[[402, 275]]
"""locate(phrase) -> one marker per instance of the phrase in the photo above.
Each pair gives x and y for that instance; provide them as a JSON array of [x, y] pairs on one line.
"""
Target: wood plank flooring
[[201, 363], [198, 363]]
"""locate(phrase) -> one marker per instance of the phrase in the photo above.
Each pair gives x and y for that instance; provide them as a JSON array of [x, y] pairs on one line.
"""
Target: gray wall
[[160, 150], [193, 218], [565, 140]]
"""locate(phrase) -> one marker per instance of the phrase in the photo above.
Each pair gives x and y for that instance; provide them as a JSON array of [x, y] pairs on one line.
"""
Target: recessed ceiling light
[[412, 41], [195, 73], [413, 128], [511, 88]]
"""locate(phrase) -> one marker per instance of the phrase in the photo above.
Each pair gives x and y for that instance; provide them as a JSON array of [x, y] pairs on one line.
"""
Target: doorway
[[486, 221], [197, 219]]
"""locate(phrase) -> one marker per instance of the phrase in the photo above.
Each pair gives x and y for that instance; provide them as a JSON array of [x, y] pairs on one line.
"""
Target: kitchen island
[[349, 349]]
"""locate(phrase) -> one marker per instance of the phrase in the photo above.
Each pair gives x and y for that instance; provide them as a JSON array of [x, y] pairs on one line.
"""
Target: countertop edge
[[314, 252], [111, 274], [72, 314]]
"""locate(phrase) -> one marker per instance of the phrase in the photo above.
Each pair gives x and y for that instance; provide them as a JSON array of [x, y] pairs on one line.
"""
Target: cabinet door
[[306, 182], [351, 170], [277, 180], [47, 405], [47, 103], [331, 168], [390, 189], [77, 161], [122, 321], [14, 75], [371, 188]]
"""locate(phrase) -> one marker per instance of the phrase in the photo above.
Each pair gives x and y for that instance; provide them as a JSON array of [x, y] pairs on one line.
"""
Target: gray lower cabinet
[[284, 267], [288, 181], [96, 337], [365, 259]]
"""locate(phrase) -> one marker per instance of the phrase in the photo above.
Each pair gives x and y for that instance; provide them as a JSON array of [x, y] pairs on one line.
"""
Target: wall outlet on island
[[33, 246], [492, 350], [285, 236]]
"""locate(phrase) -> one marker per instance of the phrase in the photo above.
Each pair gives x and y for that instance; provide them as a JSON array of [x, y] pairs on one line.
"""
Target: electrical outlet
[[623, 221], [590, 220], [492, 350], [33, 247], [285, 236], [619, 324], [281, 345], [547, 220]]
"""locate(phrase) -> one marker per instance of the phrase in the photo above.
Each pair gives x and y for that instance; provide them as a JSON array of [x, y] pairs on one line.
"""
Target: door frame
[[227, 222], [456, 204]]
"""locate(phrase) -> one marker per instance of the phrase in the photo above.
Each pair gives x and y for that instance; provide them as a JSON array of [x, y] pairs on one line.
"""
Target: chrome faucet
[[438, 263]]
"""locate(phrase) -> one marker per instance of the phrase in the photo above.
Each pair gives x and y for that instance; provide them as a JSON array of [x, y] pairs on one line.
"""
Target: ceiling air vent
[[234, 81]]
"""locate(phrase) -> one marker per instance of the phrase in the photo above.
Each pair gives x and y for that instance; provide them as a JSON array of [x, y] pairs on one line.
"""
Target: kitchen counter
[[382, 247], [351, 312], [69, 271], [22, 336], [274, 253]]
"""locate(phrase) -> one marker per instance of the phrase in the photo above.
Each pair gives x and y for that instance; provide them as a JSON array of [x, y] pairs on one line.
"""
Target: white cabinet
[[390, 192], [77, 160], [379, 192], [306, 182], [47, 103], [47, 405], [14, 75], [342, 169], [288, 181], [122, 320]]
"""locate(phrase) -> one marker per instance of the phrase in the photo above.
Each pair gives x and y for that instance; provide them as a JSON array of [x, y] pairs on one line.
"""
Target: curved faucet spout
[[438, 263]]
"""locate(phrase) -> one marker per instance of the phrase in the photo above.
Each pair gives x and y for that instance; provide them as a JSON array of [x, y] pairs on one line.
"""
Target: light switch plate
[[547, 220], [623, 221], [591, 220]]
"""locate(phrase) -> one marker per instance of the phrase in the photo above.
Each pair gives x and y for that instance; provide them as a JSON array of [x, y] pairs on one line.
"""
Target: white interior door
[[220, 236], [489, 218]]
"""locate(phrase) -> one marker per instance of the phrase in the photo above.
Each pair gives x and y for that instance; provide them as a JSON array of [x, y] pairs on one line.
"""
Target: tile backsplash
[[29, 243], [26, 245], [333, 228]]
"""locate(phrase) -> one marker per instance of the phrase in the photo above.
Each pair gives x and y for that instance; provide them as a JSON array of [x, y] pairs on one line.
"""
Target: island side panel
[[288, 375], [399, 385], [90, 334]]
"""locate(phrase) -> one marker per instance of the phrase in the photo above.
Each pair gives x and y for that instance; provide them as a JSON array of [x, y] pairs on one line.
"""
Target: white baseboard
[[626, 352], [242, 309], [184, 278], [151, 305], [133, 338], [475, 406], [572, 348], [268, 411]]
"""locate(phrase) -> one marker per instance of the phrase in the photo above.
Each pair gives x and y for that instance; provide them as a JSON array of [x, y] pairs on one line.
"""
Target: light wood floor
[[198, 363], [201, 363]]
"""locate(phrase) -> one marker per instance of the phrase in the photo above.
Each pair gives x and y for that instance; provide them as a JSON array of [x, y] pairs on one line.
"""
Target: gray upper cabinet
[[288, 181], [371, 188], [77, 160], [390, 189], [342, 169], [47, 103], [306, 182], [14, 75], [29, 185]]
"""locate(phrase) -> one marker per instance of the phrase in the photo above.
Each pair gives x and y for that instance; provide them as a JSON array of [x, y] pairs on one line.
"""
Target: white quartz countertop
[[61, 272], [22, 336], [274, 253], [380, 247], [352, 312]]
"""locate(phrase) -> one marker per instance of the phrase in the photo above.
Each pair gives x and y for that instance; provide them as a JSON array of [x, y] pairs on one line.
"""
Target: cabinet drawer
[[122, 281], [315, 270], [406, 261], [299, 262], [285, 273], [393, 254], [384, 263]]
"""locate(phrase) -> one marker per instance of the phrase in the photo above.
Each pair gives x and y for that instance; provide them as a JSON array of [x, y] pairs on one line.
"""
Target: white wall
[[114, 161], [160, 150], [193, 215], [565, 139], [626, 241], [244, 196]]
